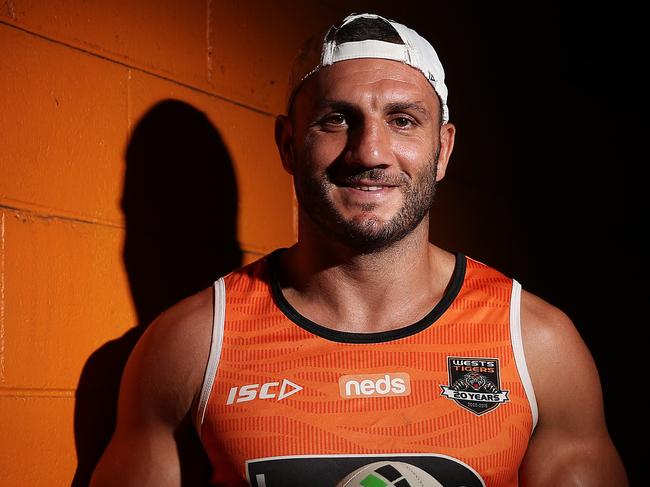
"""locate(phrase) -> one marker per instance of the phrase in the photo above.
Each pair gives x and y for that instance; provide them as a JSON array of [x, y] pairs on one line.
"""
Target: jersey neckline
[[452, 290]]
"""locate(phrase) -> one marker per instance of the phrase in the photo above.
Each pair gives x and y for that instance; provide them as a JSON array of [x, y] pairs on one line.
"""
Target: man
[[364, 355]]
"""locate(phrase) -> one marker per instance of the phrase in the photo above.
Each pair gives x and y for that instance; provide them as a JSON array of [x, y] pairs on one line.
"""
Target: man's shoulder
[[546, 321], [174, 348], [186, 319], [553, 346], [545, 327], [188, 323], [185, 329]]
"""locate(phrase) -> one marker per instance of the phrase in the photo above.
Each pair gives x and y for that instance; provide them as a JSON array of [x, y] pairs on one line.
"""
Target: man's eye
[[402, 122], [334, 119]]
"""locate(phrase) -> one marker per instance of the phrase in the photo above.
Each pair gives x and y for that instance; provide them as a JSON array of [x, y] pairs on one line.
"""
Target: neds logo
[[373, 385]]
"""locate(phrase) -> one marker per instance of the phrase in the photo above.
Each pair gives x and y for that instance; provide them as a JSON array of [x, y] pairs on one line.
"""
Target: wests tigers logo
[[474, 384]]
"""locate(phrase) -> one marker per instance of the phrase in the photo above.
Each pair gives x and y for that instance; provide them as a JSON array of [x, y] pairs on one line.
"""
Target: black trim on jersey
[[455, 283]]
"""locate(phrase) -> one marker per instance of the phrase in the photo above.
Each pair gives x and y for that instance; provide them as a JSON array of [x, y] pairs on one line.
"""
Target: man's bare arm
[[571, 445], [160, 381]]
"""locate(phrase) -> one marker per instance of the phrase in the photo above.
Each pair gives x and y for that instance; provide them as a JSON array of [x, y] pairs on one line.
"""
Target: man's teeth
[[367, 188]]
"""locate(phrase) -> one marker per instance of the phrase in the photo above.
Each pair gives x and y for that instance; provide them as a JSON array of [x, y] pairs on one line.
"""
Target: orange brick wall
[[78, 78]]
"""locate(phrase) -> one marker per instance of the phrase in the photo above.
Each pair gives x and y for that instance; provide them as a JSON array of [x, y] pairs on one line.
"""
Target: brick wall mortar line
[[34, 392], [137, 68], [245, 247], [53, 216]]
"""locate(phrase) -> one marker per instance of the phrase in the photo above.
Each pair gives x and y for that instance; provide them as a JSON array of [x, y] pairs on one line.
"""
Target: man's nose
[[368, 144]]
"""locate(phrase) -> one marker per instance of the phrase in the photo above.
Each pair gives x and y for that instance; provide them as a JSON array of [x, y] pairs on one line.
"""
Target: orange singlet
[[446, 401]]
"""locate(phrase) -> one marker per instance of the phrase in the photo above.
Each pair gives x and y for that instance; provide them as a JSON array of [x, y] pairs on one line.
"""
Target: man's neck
[[343, 289]]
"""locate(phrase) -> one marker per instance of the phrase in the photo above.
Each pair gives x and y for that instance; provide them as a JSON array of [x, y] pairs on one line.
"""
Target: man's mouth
[[366, 185], [368, 188]]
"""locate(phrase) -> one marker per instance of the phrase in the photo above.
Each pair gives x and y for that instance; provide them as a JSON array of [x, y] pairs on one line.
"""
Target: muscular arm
[[160, 381], [570, 446]]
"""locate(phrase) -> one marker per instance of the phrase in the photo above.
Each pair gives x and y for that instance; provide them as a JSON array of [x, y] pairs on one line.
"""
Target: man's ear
[[447, 137], [284, 141]]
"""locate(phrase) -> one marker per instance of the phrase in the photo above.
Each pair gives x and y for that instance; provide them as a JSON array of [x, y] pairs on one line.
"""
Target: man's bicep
[[139, 458], [571, 445], [157, 390], [562, 458], [142, 451]]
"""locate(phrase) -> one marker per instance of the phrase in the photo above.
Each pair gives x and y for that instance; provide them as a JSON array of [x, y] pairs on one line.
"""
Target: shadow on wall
[[180, 206]]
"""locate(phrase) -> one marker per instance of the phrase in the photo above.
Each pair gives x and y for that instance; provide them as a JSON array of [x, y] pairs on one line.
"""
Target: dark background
[[547, 178]]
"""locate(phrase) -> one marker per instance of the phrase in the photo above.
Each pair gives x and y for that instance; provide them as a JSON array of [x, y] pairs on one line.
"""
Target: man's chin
[[369, 236], [362, 230]]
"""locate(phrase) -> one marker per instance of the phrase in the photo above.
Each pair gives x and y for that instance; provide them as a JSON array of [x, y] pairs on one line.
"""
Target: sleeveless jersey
[[446, 401]]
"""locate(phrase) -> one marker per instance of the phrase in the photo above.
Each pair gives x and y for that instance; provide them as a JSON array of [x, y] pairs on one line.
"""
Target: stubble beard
[[368, 233]]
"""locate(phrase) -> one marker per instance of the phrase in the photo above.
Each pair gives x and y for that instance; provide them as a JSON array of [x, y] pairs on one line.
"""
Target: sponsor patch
[[475, 384], [375, 385], [270, 390]]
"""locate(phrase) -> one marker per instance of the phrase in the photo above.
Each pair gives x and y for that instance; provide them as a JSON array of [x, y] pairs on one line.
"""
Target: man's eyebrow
[[336, 105], [397, 106], [418, 106]]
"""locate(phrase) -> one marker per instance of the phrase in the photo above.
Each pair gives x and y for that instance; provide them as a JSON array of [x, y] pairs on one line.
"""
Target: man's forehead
[[373, 80]]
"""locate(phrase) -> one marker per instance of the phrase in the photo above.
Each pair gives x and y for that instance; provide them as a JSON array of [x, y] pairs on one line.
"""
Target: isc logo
[[263, 391], [372, 385]]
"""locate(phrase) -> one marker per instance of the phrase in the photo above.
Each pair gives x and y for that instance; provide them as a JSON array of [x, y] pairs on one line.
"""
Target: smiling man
[[367, 142], [364, 355]]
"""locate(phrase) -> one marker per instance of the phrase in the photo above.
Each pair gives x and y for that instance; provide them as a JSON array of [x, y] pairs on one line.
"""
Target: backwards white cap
[[414, 51]]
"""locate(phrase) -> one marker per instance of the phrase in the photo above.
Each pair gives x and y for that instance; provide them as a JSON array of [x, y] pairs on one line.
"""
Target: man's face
[[365, 146]]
